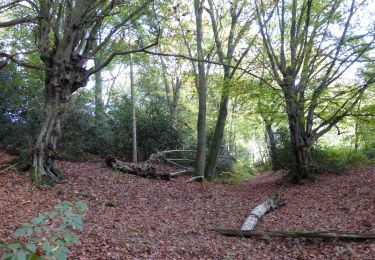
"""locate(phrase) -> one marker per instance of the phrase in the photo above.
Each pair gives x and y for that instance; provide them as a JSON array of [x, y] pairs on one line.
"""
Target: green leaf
[[37, 220], [34, 240], [8, 256], [61, 253], [81, 205], [47, 247], [23, 231], [38, 230], [31, 247], [22, 255], [35, 257], [70, 237], [15, 246]]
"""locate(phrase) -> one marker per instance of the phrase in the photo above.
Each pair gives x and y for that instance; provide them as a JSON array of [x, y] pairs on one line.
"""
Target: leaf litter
[[136, 218]]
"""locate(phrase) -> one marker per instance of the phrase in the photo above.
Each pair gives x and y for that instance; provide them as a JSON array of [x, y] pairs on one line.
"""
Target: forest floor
[[155, 219]]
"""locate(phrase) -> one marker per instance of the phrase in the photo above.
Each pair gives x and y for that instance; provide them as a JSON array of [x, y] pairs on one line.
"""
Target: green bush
[[283, 160], [241, 171], [339, 159], [49, 234]]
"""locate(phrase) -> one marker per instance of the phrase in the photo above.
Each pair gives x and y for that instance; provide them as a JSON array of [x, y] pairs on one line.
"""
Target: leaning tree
[[310, 47], [67, 38]]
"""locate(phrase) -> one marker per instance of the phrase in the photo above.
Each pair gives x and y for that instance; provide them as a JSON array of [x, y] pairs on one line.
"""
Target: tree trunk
[[201, 81], [134, 120], [356, 131], [301, 148], [217, 137], [99, 106], [176, 97], [271, 144], [45, 150]]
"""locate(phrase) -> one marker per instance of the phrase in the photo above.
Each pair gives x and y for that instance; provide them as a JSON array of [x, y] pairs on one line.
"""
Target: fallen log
[[259, 211], [175, 174], [145, 170], [196, 178], [297, 234]]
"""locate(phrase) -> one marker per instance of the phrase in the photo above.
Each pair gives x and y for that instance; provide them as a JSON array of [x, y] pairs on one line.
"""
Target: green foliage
[[154, 128], [339, 159], [283, 158], [241, 171], [49, 234], [20, 108], [267, 165]]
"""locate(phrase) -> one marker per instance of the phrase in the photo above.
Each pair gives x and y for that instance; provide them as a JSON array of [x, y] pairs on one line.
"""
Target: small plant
[[48, 235]]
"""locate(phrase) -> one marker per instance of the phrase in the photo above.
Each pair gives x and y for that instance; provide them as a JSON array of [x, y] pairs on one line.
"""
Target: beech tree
[[310, 45], [230, 55], [66, 38]]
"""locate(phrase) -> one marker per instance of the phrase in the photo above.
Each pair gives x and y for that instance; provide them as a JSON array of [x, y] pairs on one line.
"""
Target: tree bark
[[200, 159], [259, 211], [64, 76], [45, 148], [301, 152], [300, 138], [271, 144], [215, 144], [99, 106], [175, 99], [134, 119]]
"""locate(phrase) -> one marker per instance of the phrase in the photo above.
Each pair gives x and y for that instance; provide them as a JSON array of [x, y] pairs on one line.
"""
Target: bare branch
[[207, 61], [118, 53], [17, 21]]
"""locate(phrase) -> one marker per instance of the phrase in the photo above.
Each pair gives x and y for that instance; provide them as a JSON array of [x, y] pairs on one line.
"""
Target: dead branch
[[196, 178], [297, 234]]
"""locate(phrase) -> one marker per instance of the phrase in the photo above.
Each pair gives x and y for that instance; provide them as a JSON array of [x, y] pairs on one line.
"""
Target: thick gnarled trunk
[[62, 79], [301, 147], [45, 150]]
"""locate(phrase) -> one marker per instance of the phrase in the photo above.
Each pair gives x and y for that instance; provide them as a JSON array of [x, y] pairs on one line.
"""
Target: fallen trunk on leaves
[[145, 170], [297, 234], [148, 169], [259, 211]]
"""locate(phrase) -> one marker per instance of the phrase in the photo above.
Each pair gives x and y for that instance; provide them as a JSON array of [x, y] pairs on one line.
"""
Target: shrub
[[338, 159], [49, 234], [241, 171]]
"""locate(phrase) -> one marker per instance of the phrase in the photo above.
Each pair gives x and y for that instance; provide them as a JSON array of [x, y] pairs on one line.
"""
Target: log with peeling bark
[[297, 234], [273, 202], [145, 170]]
